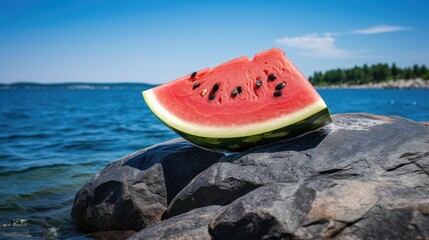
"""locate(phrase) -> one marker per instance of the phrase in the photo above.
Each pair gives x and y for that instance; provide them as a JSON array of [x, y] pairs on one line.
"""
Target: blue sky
[[158, 41]]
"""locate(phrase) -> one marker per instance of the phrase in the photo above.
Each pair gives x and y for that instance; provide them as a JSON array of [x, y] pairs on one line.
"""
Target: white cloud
[[315, 45], [380, 29], [324, 45]]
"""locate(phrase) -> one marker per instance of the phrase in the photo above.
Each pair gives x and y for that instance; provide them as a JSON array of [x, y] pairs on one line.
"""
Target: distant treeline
[[366, 74]]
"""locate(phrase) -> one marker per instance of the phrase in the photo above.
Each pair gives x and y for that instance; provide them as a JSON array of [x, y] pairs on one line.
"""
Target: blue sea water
[[53, 140]]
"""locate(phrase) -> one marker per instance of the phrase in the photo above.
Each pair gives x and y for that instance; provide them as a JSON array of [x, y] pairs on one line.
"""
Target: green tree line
[[366, 74]]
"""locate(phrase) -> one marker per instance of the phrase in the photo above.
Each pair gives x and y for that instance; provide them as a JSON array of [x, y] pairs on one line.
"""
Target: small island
[[377, 76]]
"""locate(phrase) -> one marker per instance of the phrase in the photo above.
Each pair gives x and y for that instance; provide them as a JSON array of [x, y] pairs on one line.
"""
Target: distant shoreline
[[417, 83], [76, 86]]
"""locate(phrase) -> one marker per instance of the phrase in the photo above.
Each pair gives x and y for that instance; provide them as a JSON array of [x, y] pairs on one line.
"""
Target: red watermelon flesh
[[243, 99]]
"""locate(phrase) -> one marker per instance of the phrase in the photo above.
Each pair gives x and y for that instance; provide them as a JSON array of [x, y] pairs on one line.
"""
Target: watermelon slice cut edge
[[213, 118]]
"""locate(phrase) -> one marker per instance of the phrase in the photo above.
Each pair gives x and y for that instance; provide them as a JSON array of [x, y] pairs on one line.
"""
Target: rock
[[321, 209], [362, 177], [190, 225], [112, 235], [391, 84], [133, 192], [355, 147]]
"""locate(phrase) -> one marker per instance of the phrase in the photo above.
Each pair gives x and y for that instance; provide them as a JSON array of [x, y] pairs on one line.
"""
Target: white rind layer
[[228, 132]]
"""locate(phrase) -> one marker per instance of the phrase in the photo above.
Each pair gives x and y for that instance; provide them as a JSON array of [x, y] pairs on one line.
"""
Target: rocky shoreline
[[362, 177], [392, 84]]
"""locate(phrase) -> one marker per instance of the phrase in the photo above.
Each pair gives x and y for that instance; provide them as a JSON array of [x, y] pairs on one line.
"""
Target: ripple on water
[[23, 228], [15, 116], [38, 136]]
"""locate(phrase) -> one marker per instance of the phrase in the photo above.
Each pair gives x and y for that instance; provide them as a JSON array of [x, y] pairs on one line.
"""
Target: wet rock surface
[[362, 177]]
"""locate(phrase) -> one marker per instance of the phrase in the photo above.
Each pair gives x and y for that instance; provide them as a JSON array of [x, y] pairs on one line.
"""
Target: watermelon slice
[[240, 104]]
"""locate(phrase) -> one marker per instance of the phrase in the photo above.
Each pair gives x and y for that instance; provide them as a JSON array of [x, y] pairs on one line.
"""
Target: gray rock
[[190, 225], [355, 147], [363, 177], [322, 209], [112, 235], [134, 192], [391, 84]]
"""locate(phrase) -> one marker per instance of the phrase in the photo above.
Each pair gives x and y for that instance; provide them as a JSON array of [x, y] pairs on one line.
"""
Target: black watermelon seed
[[239, 89], [215, 87], [234, 92], [280, 86], [197, 84], [271, 77], [212, 97], [193, 74], [258, 83], [277, 94]]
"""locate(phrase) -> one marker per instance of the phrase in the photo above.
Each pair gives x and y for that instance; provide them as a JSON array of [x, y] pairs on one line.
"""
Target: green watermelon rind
[[309, 124], [305, 120]]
